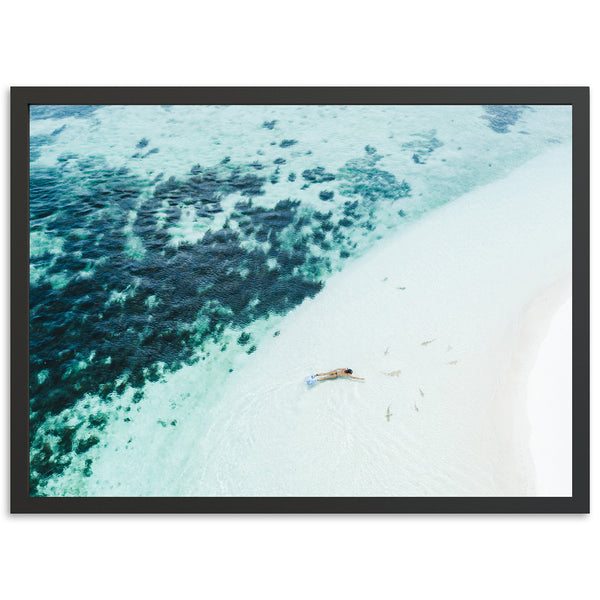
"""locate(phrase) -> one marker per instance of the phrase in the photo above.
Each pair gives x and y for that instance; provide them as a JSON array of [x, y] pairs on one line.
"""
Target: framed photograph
[[300, 300]]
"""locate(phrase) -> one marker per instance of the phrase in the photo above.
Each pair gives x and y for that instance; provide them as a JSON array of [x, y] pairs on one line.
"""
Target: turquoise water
[[167, 242]]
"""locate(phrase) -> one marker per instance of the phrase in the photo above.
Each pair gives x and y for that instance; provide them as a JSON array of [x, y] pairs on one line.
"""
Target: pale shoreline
[[549, 405], [445, 303], [528, 411]]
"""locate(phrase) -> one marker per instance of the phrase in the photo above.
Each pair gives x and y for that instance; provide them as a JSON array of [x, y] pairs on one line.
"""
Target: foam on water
[[168, 242]]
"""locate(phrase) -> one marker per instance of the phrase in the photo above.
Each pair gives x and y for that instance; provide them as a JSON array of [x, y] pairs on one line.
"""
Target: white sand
[[550, 408], [474, 271]]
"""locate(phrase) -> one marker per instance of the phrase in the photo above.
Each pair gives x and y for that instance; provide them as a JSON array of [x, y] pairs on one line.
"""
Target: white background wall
[[301, 43]]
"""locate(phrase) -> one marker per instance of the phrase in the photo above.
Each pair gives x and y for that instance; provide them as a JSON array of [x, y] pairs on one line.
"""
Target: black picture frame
[[23, 97]]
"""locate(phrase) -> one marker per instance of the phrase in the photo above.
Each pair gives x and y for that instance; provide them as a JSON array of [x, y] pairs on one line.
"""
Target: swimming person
[[338, 373]]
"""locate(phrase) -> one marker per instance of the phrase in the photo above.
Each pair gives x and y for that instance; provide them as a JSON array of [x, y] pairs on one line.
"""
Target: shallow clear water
[[168, 242]]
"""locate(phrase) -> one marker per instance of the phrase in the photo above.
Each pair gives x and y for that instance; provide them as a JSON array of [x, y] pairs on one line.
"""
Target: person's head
[[349, 371]]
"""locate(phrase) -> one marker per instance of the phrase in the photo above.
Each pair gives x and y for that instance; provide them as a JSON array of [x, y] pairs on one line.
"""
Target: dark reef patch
[[87, 471], [362, 177], [269, 124], [287, 143], [422, 146], [85, 445], [98, 421], [60, 111], [317, 175], [243, 339], [37, 141], [501, 117]]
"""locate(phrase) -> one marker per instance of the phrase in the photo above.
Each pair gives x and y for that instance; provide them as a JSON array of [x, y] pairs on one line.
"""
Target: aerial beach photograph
[[300, 300]]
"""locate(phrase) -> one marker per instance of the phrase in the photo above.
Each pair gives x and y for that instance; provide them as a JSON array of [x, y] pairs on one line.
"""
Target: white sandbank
[[550, 407], [479, 280]]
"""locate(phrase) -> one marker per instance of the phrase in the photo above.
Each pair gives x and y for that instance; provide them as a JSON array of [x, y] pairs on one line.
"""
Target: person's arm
[[352, 377]]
